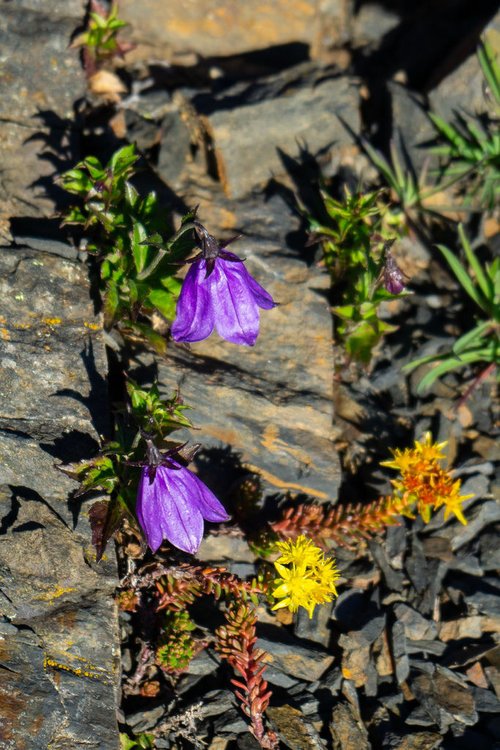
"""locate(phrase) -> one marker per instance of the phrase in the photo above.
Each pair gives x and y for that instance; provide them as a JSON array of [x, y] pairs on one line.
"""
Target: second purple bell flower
[[172, 504], [218, 292]]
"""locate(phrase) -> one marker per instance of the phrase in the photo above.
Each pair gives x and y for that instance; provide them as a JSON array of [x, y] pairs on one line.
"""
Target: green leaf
[[462, 275], [346, 312], [483, 281], [74, 216], [382, 165], [471, 338], [123, 160], [156, 340], [155, 240], [140, 251], [131, 195], [164, 302], [360, 343], [111, 303], [449, 364], [94, 167], [77, 182], [490, 68]]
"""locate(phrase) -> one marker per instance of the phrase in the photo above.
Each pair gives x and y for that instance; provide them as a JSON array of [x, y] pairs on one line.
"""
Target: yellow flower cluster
[[306, 579], [424, 483]]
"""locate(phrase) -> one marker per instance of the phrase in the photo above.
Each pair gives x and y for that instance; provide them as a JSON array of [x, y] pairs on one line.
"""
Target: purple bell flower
[[172, 504], [394, 278], [218, 292]]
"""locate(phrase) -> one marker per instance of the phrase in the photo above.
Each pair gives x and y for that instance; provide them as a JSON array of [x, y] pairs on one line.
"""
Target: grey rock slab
[[370, 23], [417, 741], [394, 579], [481, 516], [291, 657], [490, 549], [40, 80], [216, 27], [425, 647], [413, 128], [48, 340], [464, 90], [315, 628], [271, 404], [479, 594], [486, 701], [60, 668], [280, 679], [399, 654], [248, 140]]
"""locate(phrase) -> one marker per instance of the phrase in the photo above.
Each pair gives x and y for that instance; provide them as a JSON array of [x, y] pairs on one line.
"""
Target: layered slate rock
[[269, 406], [59, 673], [40, 79], [301, 110], [213, 28], [58, 626]]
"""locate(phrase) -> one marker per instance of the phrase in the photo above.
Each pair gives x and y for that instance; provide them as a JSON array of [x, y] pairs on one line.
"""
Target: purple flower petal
[[173, 507], [166, 510], [211, 509], [261, 297], [237, 318], [227, 299], [194, 317], [148, 509], [394, 278]]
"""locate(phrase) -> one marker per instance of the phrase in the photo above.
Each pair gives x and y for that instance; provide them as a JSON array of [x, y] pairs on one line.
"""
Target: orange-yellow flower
[[423, 483]]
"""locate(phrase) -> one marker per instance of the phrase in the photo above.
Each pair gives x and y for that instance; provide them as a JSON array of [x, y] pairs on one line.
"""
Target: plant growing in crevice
[[138, 269], [99, 42], [236, 642], [170, 588], [175, 588], [480, 346], [177, 646], [469, 148], [146, 419], [423, 486], [356, 242]]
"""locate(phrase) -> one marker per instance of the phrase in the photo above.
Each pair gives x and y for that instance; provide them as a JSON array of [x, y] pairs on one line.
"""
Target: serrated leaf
[[131, 194]]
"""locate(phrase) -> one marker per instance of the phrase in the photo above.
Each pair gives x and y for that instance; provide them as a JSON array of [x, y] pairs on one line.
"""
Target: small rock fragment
[[293, 728], [398, 643], [346, 732], [295, 660], [415, 626]]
